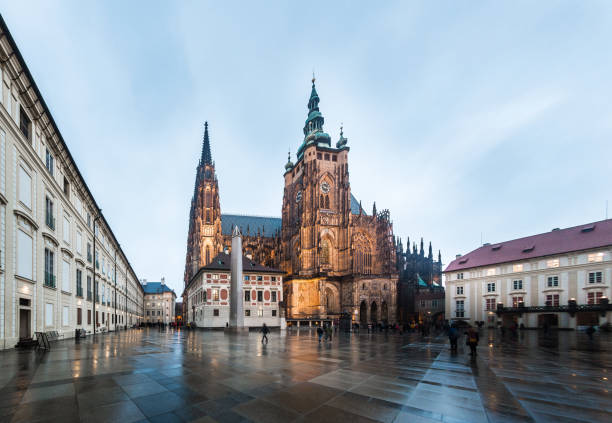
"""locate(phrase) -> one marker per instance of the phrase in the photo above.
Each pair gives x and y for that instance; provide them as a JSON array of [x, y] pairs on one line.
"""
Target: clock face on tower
[[298, 197], [324, 187]]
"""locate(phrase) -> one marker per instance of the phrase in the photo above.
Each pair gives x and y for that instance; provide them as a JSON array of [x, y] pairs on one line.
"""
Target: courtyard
[[208, 376]]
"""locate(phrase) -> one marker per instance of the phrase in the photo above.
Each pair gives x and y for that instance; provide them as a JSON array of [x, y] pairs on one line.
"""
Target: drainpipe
[[95, 287]]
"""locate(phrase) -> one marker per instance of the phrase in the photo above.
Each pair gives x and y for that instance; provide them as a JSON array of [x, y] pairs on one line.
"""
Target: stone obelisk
[[236, 321]]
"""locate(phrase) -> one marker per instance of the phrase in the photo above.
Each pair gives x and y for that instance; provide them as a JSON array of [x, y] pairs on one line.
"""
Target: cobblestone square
[[208, 376]]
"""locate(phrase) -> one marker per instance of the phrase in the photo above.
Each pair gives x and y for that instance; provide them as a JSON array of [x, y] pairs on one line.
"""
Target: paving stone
[[212, 377]]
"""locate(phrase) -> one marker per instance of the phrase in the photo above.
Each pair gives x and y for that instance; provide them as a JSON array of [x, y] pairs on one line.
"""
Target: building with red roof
[[559, 279]]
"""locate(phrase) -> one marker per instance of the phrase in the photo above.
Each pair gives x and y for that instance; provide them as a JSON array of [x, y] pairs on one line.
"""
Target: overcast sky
[[463, 118]]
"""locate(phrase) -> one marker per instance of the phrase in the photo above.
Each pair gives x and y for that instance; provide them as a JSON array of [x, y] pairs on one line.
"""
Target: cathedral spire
[[439, 257], [430, 252], [206, 156], [374, 209], [422, 252]]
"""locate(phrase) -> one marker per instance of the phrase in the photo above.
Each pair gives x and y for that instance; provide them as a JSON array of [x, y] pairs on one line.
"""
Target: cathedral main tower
[[205, 239], [339, 261]]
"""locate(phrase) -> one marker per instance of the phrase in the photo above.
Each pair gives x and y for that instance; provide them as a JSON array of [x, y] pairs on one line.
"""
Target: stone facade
[[57, 252], [420, 292]]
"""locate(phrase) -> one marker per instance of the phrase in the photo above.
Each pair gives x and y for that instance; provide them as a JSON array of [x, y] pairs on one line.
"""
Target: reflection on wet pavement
[[147, 375]]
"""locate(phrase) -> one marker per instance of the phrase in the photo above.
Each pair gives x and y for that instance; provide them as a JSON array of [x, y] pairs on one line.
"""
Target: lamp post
[[95, 286]]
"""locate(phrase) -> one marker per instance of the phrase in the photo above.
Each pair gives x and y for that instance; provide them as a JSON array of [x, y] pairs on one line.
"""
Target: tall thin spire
[[206, 156]]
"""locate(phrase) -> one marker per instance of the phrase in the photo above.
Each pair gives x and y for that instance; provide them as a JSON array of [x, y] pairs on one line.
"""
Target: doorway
[[374, 313], [24, 324], [363, 314]]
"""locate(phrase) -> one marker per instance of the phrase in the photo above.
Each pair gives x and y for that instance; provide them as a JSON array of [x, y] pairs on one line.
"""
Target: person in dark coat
[[452, 337], [472, 340], [265, 330]]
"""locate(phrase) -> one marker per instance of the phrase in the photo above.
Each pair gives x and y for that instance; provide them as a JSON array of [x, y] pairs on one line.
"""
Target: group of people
[[325, 330], [471, 339]]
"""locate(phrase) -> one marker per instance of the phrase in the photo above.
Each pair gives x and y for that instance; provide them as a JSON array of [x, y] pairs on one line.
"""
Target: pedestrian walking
[[320, 333], [590, 331], [328, 332], [265, 331], [472, 340], [452, 337]]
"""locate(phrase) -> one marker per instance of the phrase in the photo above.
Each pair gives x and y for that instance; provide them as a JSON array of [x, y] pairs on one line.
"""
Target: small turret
[[342, 141], [439, 257], [289, 164], [430, 256], [374, 209], [422, 252]]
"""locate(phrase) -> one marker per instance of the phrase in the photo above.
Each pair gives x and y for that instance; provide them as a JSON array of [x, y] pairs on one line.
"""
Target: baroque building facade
[[338, 260], [61, 266], [159, 302], [558, 279]]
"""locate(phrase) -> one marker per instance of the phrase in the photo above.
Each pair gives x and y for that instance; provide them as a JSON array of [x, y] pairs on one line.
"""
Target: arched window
[[324, 251], [208, 216], [207, 254], [327, 201], [362, 257], [321, 202], [208, 202]]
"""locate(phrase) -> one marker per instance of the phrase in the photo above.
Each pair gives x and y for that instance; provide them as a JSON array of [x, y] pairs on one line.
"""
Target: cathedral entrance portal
[[374, 313], [363, 314]]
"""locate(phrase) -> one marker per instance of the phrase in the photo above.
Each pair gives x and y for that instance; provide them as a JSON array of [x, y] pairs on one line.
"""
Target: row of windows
[[49, 320], [551, 263], [200, 297], [25, 191], [551, 282], [247, 313], [552, 300]]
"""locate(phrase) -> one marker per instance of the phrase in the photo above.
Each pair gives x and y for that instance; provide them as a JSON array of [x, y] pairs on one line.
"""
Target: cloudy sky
[[467, 120]]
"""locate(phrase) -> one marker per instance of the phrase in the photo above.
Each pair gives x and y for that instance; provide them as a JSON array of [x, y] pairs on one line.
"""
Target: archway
[[384, 312], [374, 313], [363, 314]]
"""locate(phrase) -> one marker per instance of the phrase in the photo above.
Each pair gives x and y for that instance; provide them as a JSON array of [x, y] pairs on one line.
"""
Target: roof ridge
[[539, 234], [250, 215]]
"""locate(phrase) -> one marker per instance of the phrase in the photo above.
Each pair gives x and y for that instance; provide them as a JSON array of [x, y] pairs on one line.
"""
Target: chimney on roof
[[163, 280], [457, 256]]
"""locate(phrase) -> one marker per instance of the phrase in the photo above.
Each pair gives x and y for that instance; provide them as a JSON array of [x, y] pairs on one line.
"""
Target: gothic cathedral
[[339, 261]]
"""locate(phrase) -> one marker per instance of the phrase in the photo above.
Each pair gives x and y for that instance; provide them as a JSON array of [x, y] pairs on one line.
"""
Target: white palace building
[[53, 236], [559, 279]]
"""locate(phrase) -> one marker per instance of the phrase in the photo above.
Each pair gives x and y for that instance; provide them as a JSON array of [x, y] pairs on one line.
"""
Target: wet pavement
[[147, 375]]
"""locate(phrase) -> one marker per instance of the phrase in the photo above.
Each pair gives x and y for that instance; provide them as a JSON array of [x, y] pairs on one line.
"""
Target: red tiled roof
[[222, 262], [577, 238]]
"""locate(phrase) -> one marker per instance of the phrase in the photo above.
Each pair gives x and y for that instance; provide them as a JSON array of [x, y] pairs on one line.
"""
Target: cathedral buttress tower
[[205, 239]]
